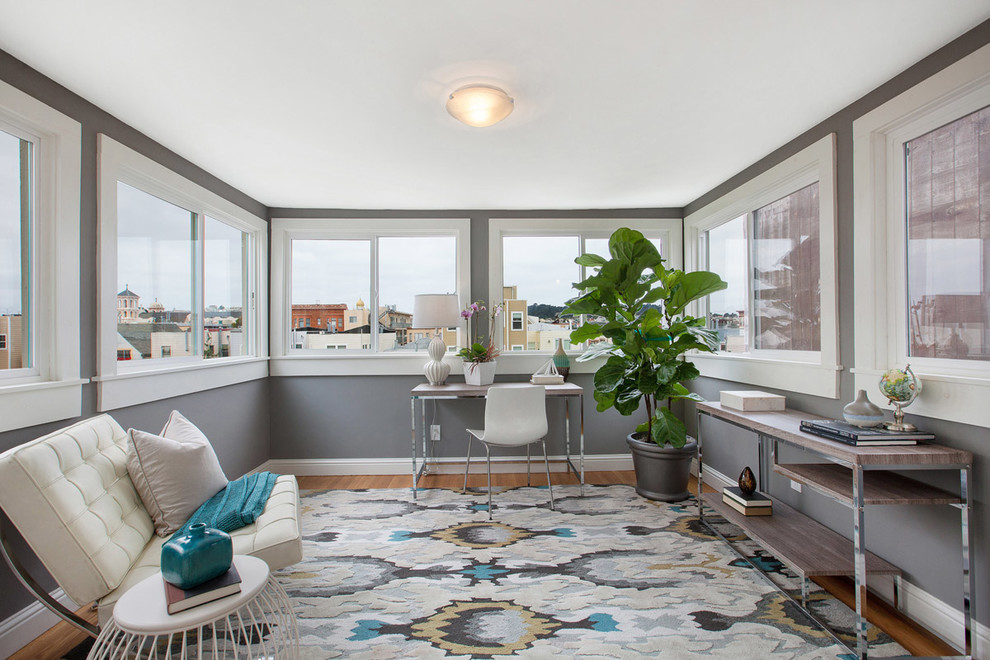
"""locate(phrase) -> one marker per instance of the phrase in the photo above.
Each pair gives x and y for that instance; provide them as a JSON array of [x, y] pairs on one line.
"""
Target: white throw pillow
[[174, 473]]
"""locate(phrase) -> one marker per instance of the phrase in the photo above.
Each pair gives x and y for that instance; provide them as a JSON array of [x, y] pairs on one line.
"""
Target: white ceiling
[[340, 104]]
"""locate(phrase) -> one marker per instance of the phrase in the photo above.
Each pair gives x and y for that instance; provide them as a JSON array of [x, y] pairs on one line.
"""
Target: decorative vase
[[201, 554], [747, 481], [561, 361], [479, 373], [862, 411], [662, 472]]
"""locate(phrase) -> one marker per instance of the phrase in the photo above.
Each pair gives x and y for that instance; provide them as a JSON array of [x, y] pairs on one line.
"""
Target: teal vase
[[201, 554], [561, 361]]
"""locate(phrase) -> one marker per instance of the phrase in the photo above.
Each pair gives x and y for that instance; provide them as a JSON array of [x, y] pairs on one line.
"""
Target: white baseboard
[[311, 467], [917, 604], [20, 629]]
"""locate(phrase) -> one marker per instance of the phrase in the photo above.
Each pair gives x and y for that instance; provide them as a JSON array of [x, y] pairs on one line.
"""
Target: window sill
[[800, 377], [29, 404], [368, 364], [134, 387], [954, 398]]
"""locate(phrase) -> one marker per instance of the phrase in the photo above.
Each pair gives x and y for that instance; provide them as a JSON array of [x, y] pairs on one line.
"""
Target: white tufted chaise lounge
[[71, 498]]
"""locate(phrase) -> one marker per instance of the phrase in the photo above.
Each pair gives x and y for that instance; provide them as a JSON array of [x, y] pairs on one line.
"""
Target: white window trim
[[298, 362], [953, 389], [669, 230], [54, 391], [129, 383], [778, 369]]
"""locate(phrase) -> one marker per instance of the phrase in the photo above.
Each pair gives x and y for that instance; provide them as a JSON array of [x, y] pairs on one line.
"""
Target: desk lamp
[[439, 311]]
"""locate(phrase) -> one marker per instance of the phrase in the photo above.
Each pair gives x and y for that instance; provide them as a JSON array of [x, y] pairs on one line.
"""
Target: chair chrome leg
[[527, 467], [488, 453], [467, 462], [546, 462]]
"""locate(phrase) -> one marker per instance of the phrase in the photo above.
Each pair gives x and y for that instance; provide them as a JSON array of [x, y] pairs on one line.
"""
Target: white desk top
[[425, 390], [141, 610]]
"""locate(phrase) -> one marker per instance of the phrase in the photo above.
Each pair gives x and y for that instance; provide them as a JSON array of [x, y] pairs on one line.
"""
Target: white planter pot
[[479, 373]]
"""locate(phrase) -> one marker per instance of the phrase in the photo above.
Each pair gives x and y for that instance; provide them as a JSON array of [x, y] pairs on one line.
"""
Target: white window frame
[[669, 230], [3, 342], [132, 382], [288, 361], [52, 389], [956, 390], [817, 372]]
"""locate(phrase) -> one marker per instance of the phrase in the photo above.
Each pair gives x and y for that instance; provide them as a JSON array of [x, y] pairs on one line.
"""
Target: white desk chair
[[515, 415]]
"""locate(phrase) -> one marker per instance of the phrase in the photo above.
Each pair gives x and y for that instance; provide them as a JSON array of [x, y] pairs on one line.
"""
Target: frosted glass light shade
[[436, 310], [479, 105]]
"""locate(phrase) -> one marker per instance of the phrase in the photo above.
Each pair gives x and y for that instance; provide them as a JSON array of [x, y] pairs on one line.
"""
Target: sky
[[154, 253], [10, 220]]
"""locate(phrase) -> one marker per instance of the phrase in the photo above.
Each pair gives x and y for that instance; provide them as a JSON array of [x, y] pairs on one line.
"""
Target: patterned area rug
[[607, 575]]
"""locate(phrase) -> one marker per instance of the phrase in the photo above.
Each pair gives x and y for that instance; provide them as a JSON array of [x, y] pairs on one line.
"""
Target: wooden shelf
[[806, 546], [880, 487]]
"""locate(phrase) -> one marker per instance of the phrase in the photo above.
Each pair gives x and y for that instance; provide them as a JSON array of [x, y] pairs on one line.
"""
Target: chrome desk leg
[[581, 406], [701, 463], [969, 583], [412, 405], [859, 550]]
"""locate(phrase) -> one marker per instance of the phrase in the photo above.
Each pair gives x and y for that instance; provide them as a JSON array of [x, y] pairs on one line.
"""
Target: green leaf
[[586, 304], [668, 429], [585, 332], [605, 400], [590, 260], [688, 287], [627, 400], [598, 350], [610, 374]]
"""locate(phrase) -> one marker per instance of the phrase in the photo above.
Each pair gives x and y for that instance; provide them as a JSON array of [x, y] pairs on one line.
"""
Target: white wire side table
[[258, 622]]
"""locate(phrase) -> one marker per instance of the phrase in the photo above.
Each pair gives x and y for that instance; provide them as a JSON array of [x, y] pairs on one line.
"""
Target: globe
[[901, 387]]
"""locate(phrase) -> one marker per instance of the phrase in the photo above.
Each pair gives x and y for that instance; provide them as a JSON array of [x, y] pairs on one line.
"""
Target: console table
[[853, 476], [566, 391]]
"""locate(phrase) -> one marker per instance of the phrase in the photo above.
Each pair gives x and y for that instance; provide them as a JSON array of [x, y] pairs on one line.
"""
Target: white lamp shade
[[436, 310], [479, 105]]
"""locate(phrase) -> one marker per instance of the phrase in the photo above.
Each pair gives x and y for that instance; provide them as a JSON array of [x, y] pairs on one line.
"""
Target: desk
[[855, 477], [421, 393]]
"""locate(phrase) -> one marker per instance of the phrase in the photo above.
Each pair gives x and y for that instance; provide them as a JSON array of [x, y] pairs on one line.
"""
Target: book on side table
[[834, 429], [178, 599], [753, 504]]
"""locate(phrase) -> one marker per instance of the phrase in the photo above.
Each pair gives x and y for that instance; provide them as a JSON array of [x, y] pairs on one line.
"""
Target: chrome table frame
[[422, 393], [767, 434]]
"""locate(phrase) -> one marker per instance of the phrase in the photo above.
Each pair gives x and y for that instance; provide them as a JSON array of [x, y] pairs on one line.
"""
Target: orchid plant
[[477, 351]]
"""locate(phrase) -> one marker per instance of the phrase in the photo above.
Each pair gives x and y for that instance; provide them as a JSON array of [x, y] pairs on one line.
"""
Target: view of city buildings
[[339, 326], [151, 331]]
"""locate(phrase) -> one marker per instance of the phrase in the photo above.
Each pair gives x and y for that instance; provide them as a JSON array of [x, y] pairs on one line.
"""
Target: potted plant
[[637, 320], [479, 358]]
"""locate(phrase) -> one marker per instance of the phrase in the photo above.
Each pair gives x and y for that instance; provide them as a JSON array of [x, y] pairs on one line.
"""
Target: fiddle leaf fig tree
[[636, 311]]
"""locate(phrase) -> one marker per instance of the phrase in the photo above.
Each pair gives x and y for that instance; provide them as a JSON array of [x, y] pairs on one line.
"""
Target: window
[[772, 240], [921, 228], [182, 284], [3, 347], [39, 262], [360, 277], [532, 269]]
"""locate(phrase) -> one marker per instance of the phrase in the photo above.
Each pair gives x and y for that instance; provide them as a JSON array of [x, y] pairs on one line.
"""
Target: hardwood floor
[[63, 637]]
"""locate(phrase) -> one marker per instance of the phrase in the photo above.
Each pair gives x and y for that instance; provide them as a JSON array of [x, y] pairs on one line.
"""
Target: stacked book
[[178, 599], [752, 504], [858, 436]]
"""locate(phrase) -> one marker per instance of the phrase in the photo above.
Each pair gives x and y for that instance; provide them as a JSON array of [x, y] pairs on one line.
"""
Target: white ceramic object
[[751, 400], [479, 373]]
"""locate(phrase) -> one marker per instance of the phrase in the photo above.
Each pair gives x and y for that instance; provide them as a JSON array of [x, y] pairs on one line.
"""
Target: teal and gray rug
[[607, 575]]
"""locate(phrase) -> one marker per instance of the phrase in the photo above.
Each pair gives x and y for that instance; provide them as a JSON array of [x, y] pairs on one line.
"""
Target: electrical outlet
[[435, 433], [795, 485]]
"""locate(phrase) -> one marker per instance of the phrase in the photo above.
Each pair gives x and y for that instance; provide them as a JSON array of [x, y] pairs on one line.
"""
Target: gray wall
[[314, 417], [236, 419], [924, 541]]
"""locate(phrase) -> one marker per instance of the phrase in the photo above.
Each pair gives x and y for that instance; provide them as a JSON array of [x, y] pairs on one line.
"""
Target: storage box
[[751, 400]]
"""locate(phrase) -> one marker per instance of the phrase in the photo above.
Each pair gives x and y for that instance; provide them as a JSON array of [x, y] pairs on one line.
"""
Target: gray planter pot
[[662, 472]]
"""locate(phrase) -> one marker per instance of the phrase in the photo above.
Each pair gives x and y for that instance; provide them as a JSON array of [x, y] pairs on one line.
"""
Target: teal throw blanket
[[237, 505]]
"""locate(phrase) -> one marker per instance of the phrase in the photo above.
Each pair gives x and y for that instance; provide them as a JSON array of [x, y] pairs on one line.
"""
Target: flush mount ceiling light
[[479, 105]]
